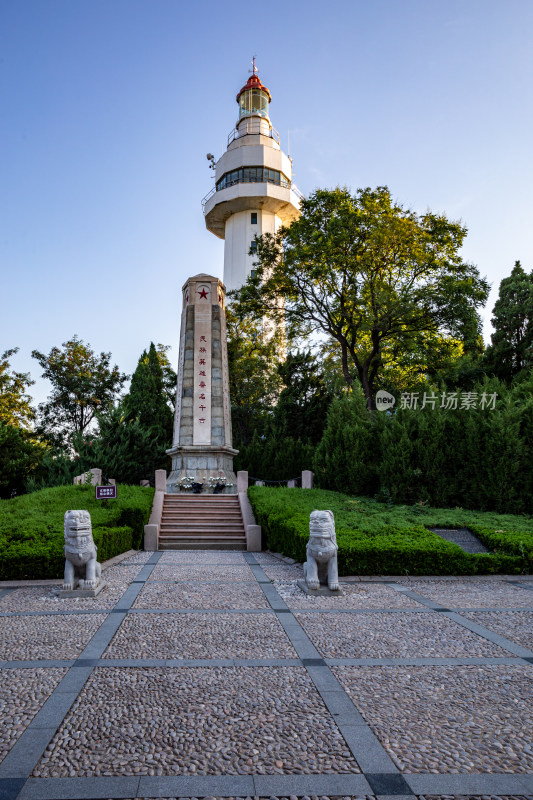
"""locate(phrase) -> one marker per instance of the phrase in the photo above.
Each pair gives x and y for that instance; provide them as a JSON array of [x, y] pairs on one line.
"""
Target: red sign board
[[106, 492]]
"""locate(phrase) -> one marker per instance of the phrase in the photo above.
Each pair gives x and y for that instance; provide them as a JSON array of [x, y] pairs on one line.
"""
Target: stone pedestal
[[202, 447], [82, 592], [322, 591]]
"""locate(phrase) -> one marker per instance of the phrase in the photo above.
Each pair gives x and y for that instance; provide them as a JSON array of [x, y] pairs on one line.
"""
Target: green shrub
[[112, 541], [31, 527], [380, 539]]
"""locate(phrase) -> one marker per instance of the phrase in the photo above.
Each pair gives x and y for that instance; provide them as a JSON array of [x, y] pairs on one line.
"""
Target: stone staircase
[[201, 522]]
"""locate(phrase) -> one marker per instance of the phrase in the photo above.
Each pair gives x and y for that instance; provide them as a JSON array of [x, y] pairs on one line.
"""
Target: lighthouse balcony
[[282, 200], [253, 127], [251, 175]]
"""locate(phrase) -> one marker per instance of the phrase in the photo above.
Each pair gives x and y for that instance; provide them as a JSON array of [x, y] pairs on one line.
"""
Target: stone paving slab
[[443, 719], [266, 558], [23, 692], [189, 721], [198, 595], [201, 635], [188, 726], [517, 626], [462, 537], [138, 558], [202, 572], [474, 797], [384, 635], [46, 636], [487, 593], [45, 598], [359, 595], [283, 572], [202, 557]]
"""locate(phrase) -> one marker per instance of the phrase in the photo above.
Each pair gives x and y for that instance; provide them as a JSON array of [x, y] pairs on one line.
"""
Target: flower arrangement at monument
[[215, 484]]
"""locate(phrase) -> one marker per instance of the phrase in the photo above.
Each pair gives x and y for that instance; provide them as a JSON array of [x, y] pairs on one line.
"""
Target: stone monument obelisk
[[201, 445]]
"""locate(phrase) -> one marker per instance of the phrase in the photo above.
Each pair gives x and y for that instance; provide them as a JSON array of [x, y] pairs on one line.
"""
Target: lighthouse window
[[253, 175], [253, 247], [253, 102], [254, 218]]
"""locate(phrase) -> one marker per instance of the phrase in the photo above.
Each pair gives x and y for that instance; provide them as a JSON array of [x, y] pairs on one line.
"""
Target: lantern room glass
[[253, 101]]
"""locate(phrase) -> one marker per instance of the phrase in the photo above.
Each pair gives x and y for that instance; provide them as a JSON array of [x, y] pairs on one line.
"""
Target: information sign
[[106, 492]]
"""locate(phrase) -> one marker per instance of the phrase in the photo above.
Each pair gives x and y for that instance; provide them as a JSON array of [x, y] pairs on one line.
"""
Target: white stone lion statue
[[321, 564], [82, 570]]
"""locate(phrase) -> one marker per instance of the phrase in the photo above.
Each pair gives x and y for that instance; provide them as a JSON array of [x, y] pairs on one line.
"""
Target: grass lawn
[[31, 527], [378, 538]]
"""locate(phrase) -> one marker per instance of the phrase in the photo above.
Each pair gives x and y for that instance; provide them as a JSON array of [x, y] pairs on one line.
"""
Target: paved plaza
[[211, 674]]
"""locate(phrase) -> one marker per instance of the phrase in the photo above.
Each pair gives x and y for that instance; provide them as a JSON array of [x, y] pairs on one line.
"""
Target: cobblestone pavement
[[211, 674]]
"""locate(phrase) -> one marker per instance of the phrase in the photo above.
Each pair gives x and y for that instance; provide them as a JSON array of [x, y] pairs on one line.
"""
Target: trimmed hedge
[[380, 539], [31, 527]]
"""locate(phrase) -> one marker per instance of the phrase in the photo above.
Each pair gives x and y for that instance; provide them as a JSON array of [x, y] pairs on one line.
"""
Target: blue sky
[[109, 107]]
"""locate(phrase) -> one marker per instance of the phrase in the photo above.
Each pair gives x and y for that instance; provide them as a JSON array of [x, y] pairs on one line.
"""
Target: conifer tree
[[126, 450], [511, 350], [347, 456], [146, 401]]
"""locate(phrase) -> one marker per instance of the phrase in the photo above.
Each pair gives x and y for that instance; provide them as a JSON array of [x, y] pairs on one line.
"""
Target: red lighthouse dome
[[253, 99]]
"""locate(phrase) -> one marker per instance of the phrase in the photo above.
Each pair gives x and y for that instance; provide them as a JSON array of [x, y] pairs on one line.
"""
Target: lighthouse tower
[[253, 193]]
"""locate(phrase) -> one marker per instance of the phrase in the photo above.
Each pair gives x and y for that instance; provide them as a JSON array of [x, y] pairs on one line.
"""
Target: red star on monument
[[203, 293]]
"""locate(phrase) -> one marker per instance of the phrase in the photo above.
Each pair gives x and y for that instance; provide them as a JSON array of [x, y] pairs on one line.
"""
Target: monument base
[[202, 462], [323, 591], [82, 592]]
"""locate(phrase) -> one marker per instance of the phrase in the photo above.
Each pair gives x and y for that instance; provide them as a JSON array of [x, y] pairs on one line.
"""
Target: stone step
[[211, 504], [204, 517], [192, 530], [209, 508], [201, 522], [202, 535], [208, 544], [195, 498]]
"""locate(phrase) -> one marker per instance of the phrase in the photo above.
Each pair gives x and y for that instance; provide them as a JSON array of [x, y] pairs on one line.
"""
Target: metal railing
[[300, 195], [208, 196], [291, 186], [252, 129]]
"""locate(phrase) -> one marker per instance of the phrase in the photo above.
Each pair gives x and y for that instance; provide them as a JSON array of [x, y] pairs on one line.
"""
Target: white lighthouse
[[253, 193]]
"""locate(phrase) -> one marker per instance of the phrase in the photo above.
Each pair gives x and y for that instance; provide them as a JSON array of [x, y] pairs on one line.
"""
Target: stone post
[[160, 480], [253, 531], [151, 530], [242, 481], [307, 479]]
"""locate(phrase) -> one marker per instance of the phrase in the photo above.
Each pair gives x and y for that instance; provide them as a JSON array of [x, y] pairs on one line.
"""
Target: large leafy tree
[[20, 457], [15, 408], [20, 452], [387, 285], [511, 350], [302, 406], [83, 384], [255, 383]]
